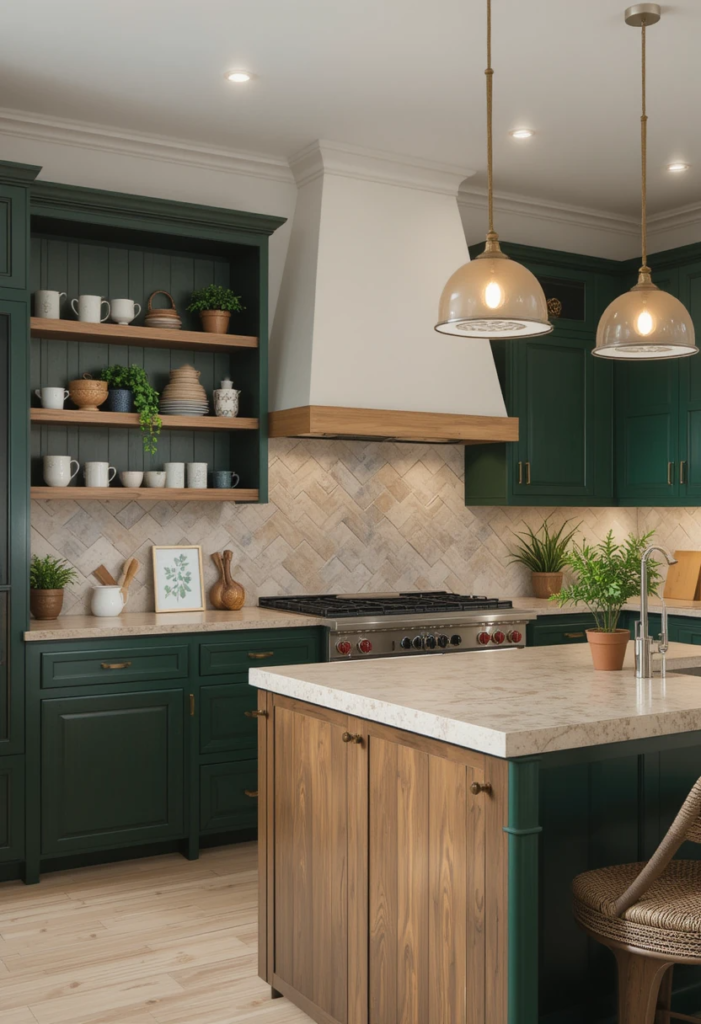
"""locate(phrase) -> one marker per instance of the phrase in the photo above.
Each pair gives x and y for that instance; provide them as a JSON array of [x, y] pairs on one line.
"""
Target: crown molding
[[668, 220], [42, 128], [338, 158]]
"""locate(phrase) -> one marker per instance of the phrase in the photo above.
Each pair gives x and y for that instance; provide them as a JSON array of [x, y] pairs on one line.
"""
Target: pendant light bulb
[[645, 322], [492, 296]]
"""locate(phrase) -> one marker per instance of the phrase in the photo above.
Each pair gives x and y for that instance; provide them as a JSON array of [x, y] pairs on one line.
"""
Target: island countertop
[[506, 703]]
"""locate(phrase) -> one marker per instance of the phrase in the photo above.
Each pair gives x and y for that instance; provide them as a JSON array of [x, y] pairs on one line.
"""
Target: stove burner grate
[[336, 606]]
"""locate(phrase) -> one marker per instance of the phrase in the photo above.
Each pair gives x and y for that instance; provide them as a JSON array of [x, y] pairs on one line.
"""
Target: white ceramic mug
[[48, 304], [52, 398], [124, 310], [107, 601], [131, 478], [197, 475], [155, 478], [175, 474], [89, 308], [99, 474], [57, 470]]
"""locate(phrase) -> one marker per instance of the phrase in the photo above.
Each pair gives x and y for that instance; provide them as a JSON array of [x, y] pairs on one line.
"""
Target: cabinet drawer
[[217, 659], [223, 723], [548, 634], [224, 805], [113, 665]]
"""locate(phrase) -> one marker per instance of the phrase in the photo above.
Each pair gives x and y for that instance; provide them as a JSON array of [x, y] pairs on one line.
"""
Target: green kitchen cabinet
[[689, 471], [224, 725], [11, 808], [15, 180], [228, 796], [547, 630]]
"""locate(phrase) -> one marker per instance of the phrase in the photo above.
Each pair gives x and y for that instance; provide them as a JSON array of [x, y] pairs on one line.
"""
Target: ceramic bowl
[[131, 478], [155, 478], [88, 394]]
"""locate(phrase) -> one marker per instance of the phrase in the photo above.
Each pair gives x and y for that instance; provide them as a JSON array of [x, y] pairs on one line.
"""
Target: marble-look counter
[[541, 606], [84, 627], [507, 703]]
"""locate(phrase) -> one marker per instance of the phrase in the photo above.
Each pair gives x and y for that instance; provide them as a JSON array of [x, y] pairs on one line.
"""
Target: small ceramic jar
[[226, 402], [197, 475]]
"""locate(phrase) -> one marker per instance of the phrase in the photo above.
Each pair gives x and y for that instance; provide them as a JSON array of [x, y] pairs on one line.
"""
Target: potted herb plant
[[128, 389], [215, 305], [48, 577], [545, 554], [606, 576]]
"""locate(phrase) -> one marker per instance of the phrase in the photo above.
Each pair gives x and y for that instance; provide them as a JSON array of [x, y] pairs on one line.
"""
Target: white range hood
[[353, 351]]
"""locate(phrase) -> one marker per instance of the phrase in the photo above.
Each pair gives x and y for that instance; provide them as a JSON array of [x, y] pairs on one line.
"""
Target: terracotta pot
[[45, 604], [215, 321], [608, 650], [546, 583]]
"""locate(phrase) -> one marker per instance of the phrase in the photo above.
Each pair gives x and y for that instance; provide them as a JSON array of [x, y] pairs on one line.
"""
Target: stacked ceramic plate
[[184, 396]]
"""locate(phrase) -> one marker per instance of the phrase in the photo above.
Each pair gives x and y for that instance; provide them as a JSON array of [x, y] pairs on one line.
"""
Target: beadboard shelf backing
[[147, 337], [78, 417], [332, 421], [143, 494]]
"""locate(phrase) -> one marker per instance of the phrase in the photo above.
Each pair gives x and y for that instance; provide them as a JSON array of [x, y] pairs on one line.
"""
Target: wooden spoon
[[216, 591], [131, 572], [104, 576]]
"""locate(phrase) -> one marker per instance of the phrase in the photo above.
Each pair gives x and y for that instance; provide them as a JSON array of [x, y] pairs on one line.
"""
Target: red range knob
[[515, 636], [343, 647], [483, 638], [498, 637], [364, 646]]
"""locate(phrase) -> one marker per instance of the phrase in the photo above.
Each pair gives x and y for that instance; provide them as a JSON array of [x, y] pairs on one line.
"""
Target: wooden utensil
[[216, 591], [104, 576], [125, 570], [131, 572], [233, 595], [683, 578]]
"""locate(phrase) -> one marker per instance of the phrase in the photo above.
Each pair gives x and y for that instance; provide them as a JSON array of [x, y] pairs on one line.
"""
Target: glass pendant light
[[645, 323], [492, 296]]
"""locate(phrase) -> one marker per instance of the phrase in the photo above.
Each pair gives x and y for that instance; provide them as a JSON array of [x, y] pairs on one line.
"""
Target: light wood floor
[[155, 941]]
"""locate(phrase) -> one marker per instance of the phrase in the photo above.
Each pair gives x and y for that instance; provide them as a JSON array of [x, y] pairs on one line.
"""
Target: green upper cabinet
[[689, 370], [15, 180]]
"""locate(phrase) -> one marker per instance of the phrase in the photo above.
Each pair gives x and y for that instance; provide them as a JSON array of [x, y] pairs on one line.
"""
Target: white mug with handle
[[89, 308], [47, 304], [99, 474], [52, 398], [57, 470]]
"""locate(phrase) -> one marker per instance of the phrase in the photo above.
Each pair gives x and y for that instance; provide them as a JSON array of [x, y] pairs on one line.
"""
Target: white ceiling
[[404, 76]]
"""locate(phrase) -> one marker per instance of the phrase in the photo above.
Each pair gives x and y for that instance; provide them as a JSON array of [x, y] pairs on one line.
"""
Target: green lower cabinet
[[228, 796], [548, 630], [112, 771], [224, 726], [11, 808], [684, 631]]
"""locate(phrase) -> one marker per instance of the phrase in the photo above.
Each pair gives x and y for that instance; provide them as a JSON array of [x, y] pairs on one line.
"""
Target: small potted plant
[[48, 578], [215, 305], [128, 389], [606, 576], [545, 554]]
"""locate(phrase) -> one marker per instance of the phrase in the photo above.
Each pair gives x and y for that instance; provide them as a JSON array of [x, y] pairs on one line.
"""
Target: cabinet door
[[112, 770], [646, 431], [11, 808], [310, 960], [690, 391], [224, 726], [13, 236], [228, 796]]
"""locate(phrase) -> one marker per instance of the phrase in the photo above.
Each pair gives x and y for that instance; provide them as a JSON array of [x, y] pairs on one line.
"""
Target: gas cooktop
[[346, 606]]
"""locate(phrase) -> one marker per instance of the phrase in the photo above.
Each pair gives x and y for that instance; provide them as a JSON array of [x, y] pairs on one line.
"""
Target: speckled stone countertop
[[510, 703], [689, 609], [84, 627]]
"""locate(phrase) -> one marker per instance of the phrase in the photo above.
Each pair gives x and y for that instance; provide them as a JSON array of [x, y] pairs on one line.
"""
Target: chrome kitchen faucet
[[643, 641]]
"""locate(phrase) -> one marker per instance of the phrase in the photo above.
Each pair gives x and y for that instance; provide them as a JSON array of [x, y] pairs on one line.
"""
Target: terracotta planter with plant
[[607, 575], [133, 380], [215, 306], [48, 577], [545, 554]]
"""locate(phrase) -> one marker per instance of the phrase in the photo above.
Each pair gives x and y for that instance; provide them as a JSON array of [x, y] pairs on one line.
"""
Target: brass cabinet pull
[[520, 472], [481, 787], [116, 664], [253, 793], [670, 469], [256, 714], [261, 654], [528, 473], [192, 705], [682, 469], [349, 737], [574, 636]]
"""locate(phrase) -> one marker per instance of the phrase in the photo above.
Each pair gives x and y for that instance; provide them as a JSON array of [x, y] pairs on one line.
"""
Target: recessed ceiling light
[[521, 133], [677, 167], [239, 76]]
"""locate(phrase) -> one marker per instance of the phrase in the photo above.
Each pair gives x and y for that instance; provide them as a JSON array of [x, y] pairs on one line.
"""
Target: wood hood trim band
[[332, 421]]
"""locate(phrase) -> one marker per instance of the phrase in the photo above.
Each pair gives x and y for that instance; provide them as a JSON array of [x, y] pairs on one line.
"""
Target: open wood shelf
[[143, 494], [76, 417], [149, 337]]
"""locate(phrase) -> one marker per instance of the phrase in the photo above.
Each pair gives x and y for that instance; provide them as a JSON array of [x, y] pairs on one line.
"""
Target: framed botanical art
[[177, 578]]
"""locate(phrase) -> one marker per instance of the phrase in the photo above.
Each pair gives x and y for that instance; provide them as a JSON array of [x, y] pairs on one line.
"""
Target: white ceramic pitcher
[[107, 601]]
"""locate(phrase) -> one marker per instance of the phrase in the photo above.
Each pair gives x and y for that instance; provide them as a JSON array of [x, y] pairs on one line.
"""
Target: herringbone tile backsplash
[[343, 517]]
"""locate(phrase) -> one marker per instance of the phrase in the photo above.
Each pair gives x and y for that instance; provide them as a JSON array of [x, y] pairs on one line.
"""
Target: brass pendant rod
[[643, 150], [489, 72]]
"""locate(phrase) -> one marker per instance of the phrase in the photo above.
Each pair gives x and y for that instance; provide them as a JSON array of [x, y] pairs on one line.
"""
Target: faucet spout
[[643, 640]]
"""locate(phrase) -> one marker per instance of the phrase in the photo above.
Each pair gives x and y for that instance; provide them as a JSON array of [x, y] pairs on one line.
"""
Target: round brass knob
[[477, 787], [349, 737]]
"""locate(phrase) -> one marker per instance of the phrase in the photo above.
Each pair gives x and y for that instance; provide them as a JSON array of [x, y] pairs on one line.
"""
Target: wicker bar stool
[[649, 915]]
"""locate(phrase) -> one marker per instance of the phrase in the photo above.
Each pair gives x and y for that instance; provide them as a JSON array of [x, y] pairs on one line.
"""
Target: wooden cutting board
[[682, 580]]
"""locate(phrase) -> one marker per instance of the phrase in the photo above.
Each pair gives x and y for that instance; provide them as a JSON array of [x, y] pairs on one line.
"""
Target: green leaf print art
[[179, 578]]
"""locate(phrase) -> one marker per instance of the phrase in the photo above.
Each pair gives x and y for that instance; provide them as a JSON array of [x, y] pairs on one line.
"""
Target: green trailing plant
[[543, 551], [214, 296], [134, 379], [50, 573], [606, 576]]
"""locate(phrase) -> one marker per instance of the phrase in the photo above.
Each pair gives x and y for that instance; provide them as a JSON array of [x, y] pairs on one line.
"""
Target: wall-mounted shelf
[[148, 337], [142, 494], [80, 417]]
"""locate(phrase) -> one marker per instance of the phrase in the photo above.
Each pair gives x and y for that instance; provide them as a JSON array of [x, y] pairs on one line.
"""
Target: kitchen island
[[420, 822]]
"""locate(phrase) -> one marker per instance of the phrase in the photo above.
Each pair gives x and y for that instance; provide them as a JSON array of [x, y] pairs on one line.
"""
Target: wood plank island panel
[[131, 419], [143, 494], [147, 337]]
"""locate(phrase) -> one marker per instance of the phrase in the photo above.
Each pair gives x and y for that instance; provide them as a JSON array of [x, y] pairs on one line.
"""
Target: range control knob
[[343, 647], [418, 642], [405, 643], [455, 640], [364, 646], [498, 637], [483, 638], [431, 642], [442, 640], [515, 636]]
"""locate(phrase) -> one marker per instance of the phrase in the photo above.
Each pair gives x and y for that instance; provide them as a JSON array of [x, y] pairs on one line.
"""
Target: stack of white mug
[[88, 308], [58, 472]]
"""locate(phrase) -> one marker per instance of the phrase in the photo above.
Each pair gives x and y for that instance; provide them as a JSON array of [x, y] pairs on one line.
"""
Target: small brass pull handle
[[116, 664], [349, 737], [682, 472], [574, 636], [253, 793], [261, 654], [520, 472], [481, 787], [670, 468], [192, 705], [528, 473], [256, 714]]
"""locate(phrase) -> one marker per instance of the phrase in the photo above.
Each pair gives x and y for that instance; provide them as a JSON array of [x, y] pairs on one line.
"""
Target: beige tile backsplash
[[343, 517]]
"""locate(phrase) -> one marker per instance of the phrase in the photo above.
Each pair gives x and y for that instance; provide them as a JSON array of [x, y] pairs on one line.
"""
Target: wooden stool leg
[[639, 982], [664, 1000]]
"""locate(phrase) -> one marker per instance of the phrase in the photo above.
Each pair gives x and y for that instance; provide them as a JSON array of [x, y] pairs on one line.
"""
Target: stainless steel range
[[388, 625]]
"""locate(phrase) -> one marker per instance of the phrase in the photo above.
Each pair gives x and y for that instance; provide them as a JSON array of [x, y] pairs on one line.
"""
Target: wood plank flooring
[[155, 941]]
